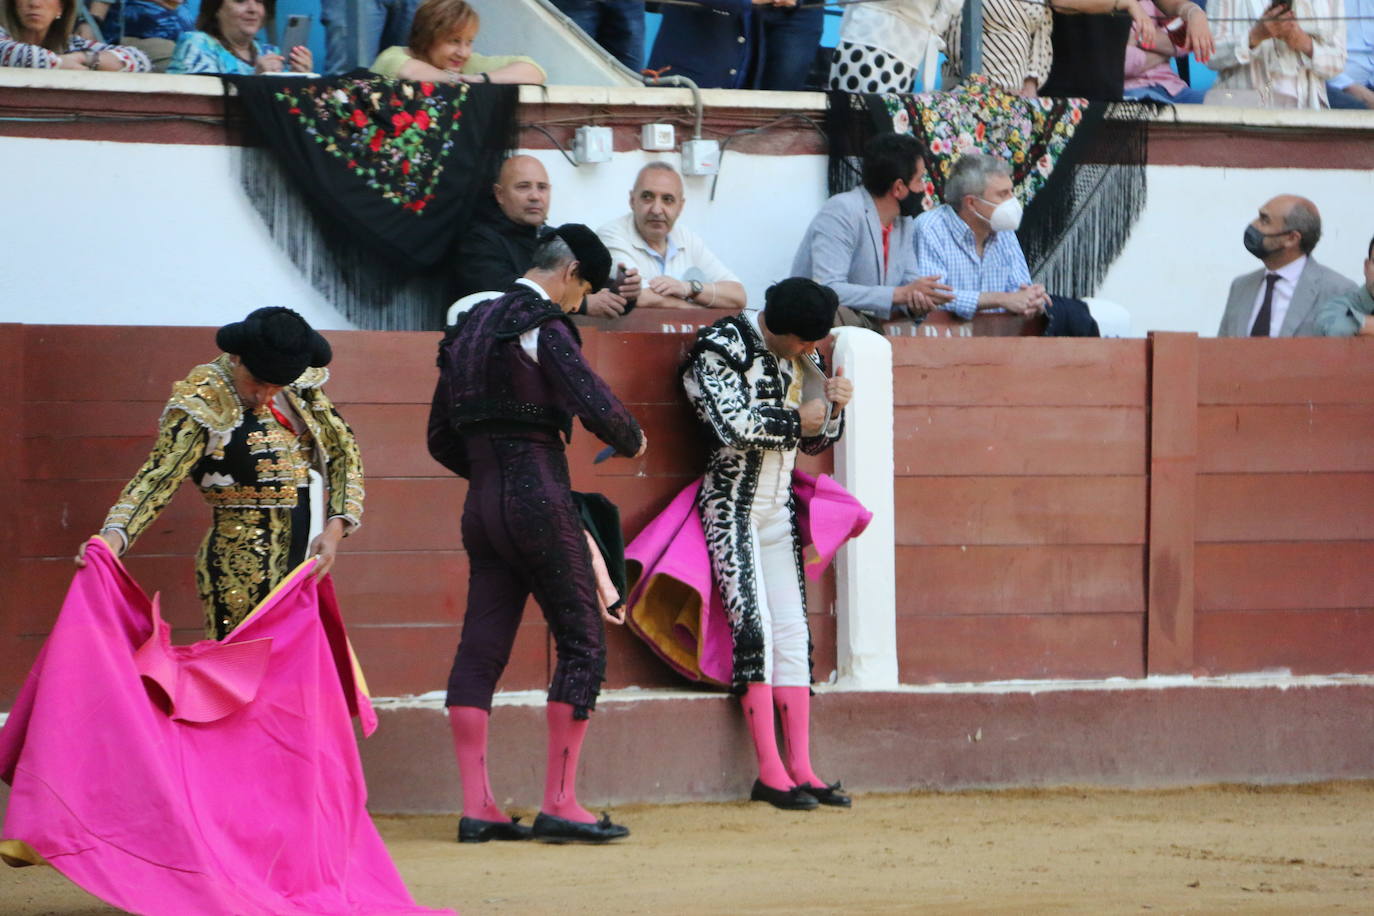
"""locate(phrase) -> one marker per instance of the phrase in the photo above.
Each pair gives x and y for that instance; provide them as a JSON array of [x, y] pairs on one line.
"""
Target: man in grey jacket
[[1281, 300], [860, 243]]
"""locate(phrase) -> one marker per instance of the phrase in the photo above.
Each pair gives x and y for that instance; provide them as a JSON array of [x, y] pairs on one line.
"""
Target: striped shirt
[[1016, 43], [21, 54]]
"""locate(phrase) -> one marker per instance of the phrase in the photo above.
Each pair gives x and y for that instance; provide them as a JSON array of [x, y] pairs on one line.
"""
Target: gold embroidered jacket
[[250, 470]]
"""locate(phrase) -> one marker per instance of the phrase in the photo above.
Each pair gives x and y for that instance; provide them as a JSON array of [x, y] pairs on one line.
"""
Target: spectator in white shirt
[[682, 272]]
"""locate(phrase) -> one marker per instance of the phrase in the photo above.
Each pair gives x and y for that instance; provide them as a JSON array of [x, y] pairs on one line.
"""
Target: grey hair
[[551, 254], [657, 165], [970, 176], [1304, 219]]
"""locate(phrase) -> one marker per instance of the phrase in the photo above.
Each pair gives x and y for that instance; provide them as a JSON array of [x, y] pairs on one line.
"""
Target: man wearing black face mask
[[1281, 299], [860, 243]]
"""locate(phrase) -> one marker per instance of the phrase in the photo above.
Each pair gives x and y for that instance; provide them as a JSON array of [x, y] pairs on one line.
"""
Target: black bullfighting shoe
[[551, 829], [476, 830], [793, 799], [829, 795]]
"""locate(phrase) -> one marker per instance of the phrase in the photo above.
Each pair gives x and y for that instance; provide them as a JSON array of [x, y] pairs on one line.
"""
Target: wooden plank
[[964, 649], [1285, 507], [1053, 372], [1173, 497], [1020, 510], [975, 441], [641, 368], [15, 659], [1297, 370], [1285, 576], [404, 661], [982, 581], [1279, 438], [1317, 641]]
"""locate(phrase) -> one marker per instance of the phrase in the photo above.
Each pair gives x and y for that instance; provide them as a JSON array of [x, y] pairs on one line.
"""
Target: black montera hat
[[594, 261], [800, 306], [275, 344]]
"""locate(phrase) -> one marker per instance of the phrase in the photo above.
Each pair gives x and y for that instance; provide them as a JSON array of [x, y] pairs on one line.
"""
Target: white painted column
[[866, 583]]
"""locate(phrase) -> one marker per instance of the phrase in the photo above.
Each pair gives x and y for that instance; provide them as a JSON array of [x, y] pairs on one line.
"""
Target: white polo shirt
[[687, 259]]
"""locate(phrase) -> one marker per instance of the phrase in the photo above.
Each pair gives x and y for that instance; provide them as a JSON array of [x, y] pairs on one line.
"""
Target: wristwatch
[[696, 288]]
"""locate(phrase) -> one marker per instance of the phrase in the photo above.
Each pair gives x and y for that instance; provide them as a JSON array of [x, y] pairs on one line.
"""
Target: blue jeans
[[385, 23], [616, 25], [1339, 98], [790, 40]]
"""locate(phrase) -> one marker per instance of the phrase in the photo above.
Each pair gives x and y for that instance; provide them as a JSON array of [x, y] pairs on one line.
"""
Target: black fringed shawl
[[1078, 167], [373, 180]]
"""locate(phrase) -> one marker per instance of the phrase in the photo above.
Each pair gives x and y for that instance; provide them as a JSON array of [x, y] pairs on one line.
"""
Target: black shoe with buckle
[[793, 799], [476, 830], [551, 829], [832, 795]]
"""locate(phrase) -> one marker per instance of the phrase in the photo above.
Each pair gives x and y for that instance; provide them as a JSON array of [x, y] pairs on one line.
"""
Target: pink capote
[[210, 778], [675, 607]]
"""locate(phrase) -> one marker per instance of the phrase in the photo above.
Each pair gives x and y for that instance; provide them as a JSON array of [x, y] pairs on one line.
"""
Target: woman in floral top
[[38, 33], [225, 42]]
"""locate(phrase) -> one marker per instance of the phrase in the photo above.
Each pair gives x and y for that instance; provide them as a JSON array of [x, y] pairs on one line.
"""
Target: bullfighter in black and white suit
[[746, 376]]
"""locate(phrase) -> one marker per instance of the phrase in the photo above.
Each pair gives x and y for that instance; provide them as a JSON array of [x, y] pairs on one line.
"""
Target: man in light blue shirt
[[970, 241], [1354, 88]]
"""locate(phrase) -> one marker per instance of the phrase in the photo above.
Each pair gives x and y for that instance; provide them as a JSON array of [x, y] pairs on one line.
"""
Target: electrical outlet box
[[659, 138], [592, 144], [700, 157]]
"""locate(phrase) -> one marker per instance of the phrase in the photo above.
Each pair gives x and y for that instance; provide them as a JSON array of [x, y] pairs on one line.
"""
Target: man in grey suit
[[860, 243], [1281, 300]]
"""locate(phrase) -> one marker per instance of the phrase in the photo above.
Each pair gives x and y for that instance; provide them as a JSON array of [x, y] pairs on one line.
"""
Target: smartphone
[[296, 33]]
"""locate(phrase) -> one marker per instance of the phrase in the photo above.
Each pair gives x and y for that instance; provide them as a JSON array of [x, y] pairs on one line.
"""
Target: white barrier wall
[[1186, 248], [132, 233]]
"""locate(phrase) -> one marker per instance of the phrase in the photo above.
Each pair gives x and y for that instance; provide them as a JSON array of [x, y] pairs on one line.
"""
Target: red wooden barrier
[[1065, 508]]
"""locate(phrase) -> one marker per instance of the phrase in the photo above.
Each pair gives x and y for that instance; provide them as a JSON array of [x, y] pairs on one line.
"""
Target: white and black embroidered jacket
[[746, 400]]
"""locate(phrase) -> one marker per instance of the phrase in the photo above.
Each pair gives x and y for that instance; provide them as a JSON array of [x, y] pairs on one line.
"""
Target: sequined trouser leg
[[523, 536]]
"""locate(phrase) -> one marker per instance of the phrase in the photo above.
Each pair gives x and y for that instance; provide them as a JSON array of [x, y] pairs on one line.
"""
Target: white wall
[[139, 233], [1186, 248], [160, 234]]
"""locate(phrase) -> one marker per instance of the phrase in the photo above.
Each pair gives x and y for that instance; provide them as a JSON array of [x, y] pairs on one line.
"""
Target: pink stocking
[[757, 703], [560, 780], [469, 726], [794, 707]]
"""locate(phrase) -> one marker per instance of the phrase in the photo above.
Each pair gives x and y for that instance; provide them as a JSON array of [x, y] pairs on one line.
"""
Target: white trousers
[[782, 606]]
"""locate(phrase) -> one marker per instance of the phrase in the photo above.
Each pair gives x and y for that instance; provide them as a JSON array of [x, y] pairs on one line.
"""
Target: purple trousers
[[523, 536]]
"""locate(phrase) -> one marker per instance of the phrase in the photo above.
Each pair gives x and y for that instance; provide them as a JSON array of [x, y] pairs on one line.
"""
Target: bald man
[[499, 244], [682, 272], [1281, 299]]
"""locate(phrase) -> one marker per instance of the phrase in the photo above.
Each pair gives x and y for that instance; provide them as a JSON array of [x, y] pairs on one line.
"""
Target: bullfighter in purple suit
[[511, 378]]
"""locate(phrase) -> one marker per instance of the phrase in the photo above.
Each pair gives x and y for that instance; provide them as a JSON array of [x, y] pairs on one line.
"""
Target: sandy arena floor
[[1306, 849]]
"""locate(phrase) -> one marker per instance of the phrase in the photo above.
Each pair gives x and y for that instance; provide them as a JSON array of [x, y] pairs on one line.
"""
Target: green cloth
[[388, 63], [1343, 315]]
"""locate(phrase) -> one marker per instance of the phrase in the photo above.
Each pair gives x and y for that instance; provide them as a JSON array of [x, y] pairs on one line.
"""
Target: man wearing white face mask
[[971, 241]]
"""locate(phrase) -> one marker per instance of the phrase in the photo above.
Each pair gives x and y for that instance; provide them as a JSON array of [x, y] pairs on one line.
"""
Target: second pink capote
[[675, 607], [221, 777]]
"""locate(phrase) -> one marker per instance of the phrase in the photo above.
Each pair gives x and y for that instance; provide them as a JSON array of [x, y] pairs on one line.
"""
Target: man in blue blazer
[[860, 244]]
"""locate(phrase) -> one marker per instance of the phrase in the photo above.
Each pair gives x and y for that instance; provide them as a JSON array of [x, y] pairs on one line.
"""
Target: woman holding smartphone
[[225, 41]]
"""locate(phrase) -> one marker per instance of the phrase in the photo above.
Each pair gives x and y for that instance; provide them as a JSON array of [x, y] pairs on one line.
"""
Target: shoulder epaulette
[[207, 396]]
